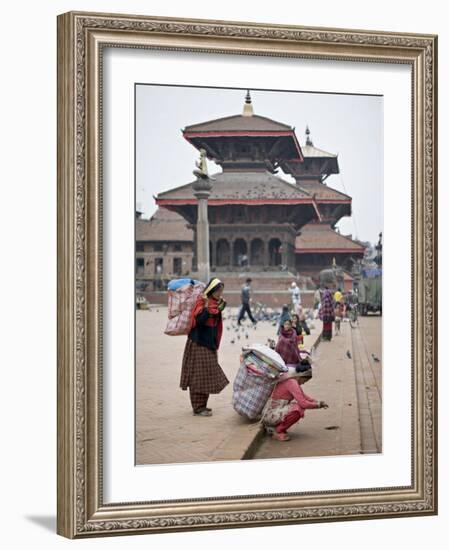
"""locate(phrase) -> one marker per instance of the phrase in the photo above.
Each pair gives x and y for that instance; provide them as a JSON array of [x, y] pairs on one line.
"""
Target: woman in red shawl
[[327, 315], [287, 345], [200, 371]]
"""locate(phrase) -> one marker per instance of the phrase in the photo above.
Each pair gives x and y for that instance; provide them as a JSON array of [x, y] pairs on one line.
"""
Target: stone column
[[201, 190], [284, 253], [267, 251], [213, 258]]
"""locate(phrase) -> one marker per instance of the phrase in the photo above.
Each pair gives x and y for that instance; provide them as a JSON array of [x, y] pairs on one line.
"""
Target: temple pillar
[[201, 190], [213, 256]]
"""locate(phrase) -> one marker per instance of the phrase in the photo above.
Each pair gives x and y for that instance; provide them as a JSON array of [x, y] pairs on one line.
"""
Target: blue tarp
[[174, 284]]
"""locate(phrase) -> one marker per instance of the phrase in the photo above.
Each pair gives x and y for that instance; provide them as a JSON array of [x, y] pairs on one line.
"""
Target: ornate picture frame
[[82, 38]]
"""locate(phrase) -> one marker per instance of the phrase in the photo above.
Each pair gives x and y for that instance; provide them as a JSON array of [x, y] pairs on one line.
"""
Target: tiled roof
[[238, 123], [242, 185], [310, 151], [322, 191], [164, 225], [316, 237]]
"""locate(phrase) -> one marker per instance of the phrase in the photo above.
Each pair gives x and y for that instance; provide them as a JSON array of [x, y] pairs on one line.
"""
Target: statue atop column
[[201, 170], [201, 189]]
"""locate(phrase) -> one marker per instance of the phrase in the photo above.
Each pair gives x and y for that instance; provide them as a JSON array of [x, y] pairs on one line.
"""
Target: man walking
[[246, 298]]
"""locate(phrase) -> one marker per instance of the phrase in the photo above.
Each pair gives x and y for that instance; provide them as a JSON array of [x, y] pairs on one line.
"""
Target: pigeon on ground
[[348, 354], [232, 341], [246, 335], [375, 358]]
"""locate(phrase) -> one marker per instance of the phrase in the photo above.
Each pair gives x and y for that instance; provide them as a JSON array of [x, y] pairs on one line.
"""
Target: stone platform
[[269, 288]]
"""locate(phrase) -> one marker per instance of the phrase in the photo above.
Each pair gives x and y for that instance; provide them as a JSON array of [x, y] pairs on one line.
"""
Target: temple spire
[[308, 140], [248, 106]]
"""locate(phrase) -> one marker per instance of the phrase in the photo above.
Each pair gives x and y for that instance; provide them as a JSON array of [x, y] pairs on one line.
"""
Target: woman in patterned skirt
[[327, 315], [288, 403], [201, 372]]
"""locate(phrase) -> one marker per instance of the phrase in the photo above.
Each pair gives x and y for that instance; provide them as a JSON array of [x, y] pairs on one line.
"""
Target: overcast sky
[[348, 125]]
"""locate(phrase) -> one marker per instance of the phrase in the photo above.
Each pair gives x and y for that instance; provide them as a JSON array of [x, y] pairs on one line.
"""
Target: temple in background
[[260, 224], [319, 244]]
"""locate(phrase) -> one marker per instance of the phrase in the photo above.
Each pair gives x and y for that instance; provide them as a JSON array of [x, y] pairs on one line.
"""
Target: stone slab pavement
[[166, 430], [367, 347]]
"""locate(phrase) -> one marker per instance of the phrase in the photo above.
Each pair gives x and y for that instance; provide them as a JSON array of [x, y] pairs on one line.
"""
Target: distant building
[[164, 249]]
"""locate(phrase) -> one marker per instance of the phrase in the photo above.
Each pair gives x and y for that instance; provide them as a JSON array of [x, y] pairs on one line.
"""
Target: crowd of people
[[202, 374]]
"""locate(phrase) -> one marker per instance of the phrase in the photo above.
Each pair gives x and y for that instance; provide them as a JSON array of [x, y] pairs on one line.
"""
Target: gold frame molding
[[81, 38]]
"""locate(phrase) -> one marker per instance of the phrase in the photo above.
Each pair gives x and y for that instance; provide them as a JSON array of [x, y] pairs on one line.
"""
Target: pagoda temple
[[254, 215], [318, 244], [260, 224]]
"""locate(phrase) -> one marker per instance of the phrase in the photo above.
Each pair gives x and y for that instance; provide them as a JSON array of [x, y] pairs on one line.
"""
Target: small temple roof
[[323, 192], [246, 187], [310, 151], [163, 225], [317, 163], [315, 238]]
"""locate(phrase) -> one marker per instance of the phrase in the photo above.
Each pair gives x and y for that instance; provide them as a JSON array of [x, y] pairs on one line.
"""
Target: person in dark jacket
[[200, 371], [245, 297]]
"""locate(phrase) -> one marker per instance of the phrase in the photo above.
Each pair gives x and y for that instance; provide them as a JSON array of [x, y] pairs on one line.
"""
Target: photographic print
[[258, 274], [246, 274]]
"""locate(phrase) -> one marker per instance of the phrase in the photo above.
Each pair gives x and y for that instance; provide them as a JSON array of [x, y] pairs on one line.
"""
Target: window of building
[[140, 265], [158, 266], [177, 247], [177, 266], [158, 247], [139, 247]]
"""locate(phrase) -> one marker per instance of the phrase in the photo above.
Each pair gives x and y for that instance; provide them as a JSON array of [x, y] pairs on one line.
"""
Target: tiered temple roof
[[245, 141], [243, 188], [248, 148]]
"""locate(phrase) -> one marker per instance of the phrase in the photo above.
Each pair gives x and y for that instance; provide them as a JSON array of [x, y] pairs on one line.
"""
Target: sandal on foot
[[280, 436]]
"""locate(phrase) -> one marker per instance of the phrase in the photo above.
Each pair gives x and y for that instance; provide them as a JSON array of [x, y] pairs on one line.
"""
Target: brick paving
[[166, 430]]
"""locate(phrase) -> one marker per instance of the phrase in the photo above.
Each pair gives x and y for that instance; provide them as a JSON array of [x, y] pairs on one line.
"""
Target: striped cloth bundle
[[260, 367]]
